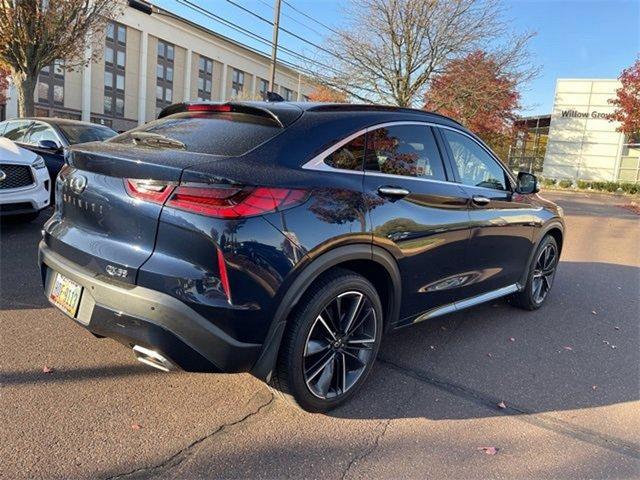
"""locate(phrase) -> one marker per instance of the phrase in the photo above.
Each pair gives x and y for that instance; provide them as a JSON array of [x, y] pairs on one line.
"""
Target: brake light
[[206, 107], [233, 203], [150, 191]]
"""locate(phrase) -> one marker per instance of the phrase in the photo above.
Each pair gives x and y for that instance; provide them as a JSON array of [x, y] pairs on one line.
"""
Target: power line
[[252, 35], [295, 35], [309, 17], [293, 19]]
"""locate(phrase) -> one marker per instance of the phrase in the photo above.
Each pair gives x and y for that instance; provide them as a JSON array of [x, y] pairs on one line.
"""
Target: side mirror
[[48, 144], [527, 183]]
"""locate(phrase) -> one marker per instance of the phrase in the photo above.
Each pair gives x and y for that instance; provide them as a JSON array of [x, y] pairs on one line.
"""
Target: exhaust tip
[[153, 359]]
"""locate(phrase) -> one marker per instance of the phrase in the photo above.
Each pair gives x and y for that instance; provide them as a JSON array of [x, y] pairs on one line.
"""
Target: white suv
[[24, 182]]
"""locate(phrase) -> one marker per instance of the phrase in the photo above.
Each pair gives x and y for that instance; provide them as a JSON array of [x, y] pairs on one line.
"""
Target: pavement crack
[[180, 456], [372, 448], [541, 420]]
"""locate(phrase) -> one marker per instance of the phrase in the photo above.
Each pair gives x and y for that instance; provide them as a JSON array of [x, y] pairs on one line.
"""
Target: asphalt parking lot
[[568, 375]]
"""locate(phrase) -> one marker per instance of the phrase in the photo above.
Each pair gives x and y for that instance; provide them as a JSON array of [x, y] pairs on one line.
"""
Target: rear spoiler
[[234, 107]]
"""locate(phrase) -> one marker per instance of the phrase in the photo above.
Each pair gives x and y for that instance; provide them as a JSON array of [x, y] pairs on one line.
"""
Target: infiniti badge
[[2, 175], [77, 184]]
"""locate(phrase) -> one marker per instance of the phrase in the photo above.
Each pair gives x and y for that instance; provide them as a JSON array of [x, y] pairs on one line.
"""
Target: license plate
[[65, 294]]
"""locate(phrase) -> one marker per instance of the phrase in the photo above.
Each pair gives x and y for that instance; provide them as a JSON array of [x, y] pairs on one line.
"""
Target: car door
[[502, 222], [417, 215], [53, 158]]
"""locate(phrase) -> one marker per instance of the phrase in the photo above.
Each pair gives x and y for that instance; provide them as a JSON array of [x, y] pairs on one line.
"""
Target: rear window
[[225, 134], [85, 133]]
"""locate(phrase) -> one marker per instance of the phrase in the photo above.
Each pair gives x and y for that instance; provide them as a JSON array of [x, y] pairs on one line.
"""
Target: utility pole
[[274, 43]]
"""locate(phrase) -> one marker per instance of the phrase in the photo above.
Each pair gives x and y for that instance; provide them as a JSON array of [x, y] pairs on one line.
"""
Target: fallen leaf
[[46, 369], [502, 405], [136, 426], [511, 339], [567, 347], [488, 450]]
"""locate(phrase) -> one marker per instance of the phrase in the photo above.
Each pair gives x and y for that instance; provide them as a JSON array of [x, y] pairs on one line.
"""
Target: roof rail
[[213, 107], [365, 107]]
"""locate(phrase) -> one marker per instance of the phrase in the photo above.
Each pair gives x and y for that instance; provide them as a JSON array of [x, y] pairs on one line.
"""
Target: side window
[[16, 130], [3, 126], [475, 166], [349, 156], [40, 131], [408, 150]]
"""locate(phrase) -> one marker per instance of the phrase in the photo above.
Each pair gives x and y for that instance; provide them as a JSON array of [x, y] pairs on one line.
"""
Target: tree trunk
[[25, 85]]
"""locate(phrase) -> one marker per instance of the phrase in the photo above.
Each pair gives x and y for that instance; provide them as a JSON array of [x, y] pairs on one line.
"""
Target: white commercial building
[[149, 61], [583, 143]]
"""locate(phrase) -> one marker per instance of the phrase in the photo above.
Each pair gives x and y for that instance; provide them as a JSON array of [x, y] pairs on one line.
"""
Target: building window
[[264, 88], [205, 77], [287, 94], [237, 82], [114, 69], [164, 75], [51, 84]]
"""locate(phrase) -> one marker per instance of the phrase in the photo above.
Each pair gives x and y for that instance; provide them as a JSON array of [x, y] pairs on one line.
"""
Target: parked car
[[24, 182], [48, 137], [284, 239]]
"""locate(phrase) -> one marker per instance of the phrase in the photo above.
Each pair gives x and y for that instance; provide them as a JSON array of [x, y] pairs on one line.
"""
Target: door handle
[[480, 200], [394, 192]]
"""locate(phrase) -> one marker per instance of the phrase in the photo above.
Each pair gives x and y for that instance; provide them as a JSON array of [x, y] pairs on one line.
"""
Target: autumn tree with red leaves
[[627, 101], [481, 91], [322, 93]]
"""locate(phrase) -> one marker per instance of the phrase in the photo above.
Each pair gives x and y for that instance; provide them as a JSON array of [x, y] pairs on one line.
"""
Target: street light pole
[[274, 43]]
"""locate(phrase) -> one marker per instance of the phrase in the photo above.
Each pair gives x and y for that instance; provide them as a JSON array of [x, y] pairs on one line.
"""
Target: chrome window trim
[[317, 163]]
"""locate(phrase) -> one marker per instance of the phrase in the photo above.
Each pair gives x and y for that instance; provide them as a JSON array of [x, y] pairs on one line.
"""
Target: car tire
[[542, 272], [347, 349]]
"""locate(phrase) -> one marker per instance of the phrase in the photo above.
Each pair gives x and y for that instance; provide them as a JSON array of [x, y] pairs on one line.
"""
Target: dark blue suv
[[285, 239]]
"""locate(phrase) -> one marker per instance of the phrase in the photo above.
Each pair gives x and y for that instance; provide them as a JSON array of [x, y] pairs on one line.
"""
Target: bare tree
[[390, 49], [35, 33]]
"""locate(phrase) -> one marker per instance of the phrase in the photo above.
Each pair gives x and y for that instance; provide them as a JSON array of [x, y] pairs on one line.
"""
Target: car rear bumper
[[135, 315]]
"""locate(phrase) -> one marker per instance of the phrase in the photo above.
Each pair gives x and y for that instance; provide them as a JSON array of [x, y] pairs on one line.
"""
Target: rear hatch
[[110, 194]]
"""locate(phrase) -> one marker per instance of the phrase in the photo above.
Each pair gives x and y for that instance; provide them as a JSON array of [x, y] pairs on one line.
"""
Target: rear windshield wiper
[[156, 140]]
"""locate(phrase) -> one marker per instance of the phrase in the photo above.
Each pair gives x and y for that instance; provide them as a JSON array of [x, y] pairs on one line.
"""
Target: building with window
[[150, 61], [583, 143]]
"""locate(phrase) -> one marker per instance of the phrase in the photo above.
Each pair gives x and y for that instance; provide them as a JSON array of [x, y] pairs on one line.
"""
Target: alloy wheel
[[340, 345], [544, 272]]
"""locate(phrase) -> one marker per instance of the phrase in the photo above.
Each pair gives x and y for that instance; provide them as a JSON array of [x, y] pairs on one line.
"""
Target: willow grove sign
[[577, 114]]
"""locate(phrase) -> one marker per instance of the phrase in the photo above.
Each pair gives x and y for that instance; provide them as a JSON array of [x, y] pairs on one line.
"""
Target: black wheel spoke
[[543, 272], [340, 345]]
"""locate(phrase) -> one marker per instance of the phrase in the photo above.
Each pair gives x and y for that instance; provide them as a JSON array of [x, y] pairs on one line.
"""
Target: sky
[[574, 39]]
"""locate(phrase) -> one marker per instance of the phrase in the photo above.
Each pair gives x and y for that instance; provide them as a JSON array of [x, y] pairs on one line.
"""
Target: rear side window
[[348, 157], [407, 150], [225, 134], [16, 130]]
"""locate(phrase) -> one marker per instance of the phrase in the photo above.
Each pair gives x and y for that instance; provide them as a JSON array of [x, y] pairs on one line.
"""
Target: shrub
[[565, 183], [548, 182]]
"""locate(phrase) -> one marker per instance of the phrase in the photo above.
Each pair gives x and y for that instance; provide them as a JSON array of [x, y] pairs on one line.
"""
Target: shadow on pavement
[[579, 351]]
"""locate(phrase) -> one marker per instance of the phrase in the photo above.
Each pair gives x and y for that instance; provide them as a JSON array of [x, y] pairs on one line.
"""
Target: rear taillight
[[233, 203], [150, 191], [218, 201]]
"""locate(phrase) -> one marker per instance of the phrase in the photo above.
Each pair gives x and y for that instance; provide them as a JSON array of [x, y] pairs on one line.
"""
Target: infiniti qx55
[[285, 239]]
